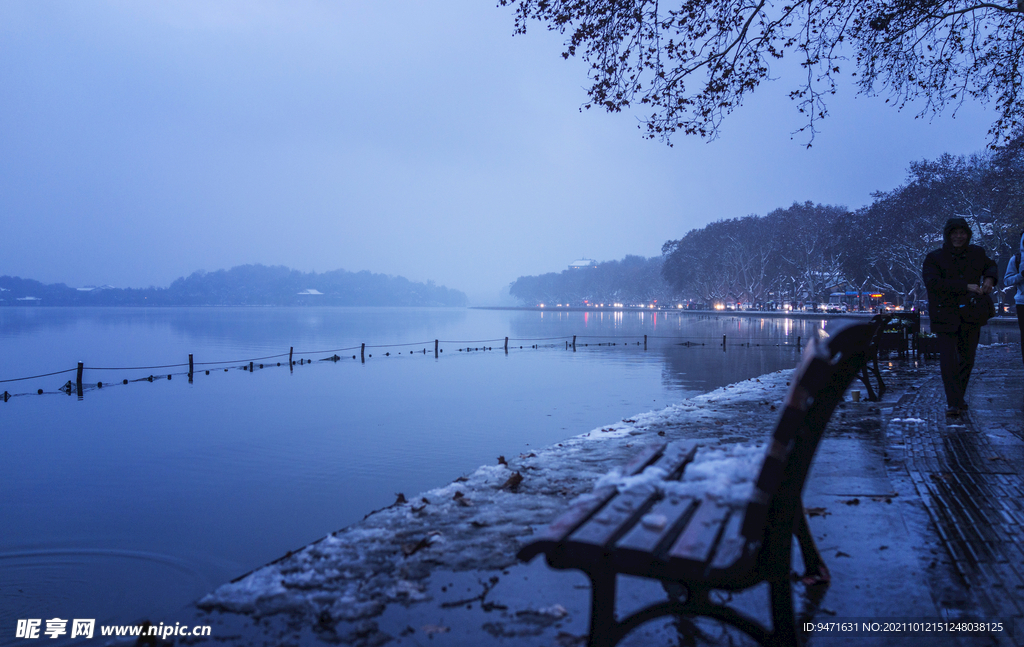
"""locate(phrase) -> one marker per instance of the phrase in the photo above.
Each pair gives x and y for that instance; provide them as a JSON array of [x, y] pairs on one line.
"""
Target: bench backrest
[[830, 362]]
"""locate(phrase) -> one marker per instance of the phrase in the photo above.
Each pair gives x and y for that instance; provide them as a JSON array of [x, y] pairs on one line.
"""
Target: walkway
[[969, 474]]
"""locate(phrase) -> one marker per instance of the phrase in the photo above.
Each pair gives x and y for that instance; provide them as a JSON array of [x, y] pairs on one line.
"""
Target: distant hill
[[246, 285]]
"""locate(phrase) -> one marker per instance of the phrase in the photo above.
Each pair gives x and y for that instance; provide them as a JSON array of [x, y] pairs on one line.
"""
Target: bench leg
[[866, 381], [784, 630], [815, 571], [603, 628]]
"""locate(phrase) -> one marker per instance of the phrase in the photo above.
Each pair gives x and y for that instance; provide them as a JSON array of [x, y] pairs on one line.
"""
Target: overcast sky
[[141, 141]]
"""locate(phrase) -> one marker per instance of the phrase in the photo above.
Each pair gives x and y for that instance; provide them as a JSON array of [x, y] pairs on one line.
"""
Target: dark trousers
[[956, 360], [1020, 324]]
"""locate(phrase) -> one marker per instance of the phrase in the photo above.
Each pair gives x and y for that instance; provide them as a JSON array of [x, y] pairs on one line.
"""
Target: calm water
[[134, 500]]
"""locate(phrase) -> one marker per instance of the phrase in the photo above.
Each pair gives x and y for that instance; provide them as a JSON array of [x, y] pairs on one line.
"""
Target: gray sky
[[141, 141]]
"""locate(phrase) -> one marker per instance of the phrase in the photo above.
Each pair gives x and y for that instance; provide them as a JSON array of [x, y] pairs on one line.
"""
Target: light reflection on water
[[159, 491]]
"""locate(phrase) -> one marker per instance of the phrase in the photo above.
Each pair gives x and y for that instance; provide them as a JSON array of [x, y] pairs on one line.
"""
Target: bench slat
[[643, 458], [594, 537], [730, 545], [676, 457], [589, 541], [580, 510], [585, 506], [637, 549], [694, 547]]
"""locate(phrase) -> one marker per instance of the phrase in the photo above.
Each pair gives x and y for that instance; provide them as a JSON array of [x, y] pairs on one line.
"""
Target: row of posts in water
[[362, 358]]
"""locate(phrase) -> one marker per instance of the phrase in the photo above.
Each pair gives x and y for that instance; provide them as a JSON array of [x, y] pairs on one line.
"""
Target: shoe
[[953, 412], [965, 406]]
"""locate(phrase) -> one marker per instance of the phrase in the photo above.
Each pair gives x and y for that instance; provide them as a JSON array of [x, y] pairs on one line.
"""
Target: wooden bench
[[696, 544]]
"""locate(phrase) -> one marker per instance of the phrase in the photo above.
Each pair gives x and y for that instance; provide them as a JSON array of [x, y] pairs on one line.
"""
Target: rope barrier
[[32, 377], [249, 363]]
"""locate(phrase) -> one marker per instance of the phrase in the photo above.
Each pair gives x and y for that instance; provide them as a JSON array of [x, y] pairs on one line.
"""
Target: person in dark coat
[[951, 275]]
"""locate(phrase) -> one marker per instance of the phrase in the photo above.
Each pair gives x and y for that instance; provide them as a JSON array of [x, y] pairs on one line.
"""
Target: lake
[[133, 500]]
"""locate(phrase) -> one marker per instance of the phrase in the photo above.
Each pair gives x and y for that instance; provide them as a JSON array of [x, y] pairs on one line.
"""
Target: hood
[[959, 223]]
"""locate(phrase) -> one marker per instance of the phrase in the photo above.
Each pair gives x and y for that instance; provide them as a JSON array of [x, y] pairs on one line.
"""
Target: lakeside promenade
[[1000, 321], [919, 519]]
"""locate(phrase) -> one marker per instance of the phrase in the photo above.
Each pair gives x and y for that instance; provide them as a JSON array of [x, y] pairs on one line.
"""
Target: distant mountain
[[246, 285]]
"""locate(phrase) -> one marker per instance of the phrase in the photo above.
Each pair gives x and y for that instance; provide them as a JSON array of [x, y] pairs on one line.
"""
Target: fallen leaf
[[435, 629], [512, 484], [565, 639], [840, 553], [853, 501], [411, 549], [816, 512]]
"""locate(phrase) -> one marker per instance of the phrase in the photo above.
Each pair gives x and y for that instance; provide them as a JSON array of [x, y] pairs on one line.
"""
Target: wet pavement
[[917, 516], [969, 476]]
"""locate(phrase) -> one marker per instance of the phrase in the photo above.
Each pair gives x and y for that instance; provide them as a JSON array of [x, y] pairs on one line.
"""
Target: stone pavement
[[969, 475]]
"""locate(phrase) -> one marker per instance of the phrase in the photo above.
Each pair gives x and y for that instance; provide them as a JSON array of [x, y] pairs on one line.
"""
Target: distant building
[[94, 288], [583, 263]]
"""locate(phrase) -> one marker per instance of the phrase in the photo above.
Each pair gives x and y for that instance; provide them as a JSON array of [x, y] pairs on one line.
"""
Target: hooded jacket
[[1014, 275], [947, 273]]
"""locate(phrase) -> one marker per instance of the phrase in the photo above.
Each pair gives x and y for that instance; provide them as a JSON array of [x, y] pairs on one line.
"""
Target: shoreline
[[441, 566], [356, 585]]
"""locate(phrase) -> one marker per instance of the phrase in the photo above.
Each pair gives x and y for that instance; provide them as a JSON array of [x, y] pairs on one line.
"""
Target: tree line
[[799, 253], [251, 285], [632, 280]]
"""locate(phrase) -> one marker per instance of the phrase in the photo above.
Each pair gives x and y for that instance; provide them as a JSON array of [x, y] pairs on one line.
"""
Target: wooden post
[[574, 343], [78, 380], [291, 349], [250, 367], [506, 345], [190, 367], [798, 342], [723, 341], [435, 349], [645, 342], [362, 353]]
